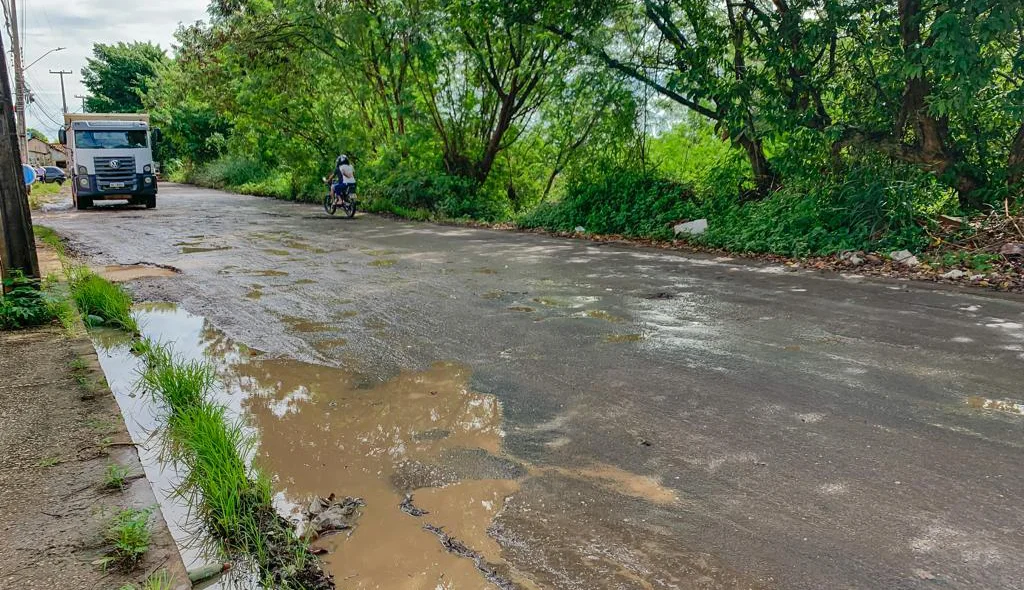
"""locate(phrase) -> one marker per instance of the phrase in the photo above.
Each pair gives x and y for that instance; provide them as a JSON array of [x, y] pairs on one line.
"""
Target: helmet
[[343, 159]]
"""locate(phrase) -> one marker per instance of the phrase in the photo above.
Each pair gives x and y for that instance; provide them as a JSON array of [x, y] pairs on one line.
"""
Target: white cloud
[[77, 25]]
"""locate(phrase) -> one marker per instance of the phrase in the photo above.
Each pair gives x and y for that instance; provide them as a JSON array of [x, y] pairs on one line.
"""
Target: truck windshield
[[110, 140]]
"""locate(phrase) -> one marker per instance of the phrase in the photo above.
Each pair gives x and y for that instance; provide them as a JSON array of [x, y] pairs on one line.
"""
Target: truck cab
[[111, 158]]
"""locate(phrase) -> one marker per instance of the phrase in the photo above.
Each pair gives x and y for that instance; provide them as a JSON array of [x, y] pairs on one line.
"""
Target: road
[[675, 420]]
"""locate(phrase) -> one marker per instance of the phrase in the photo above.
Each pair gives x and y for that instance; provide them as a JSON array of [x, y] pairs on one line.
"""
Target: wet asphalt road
[[818, 431]]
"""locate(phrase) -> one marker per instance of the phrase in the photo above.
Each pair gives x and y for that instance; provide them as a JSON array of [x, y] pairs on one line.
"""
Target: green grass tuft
[[128, 534], [116, 477], [96, 296]]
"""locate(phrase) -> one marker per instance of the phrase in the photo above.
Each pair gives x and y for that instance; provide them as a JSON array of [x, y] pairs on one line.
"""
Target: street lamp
[[42, 56]]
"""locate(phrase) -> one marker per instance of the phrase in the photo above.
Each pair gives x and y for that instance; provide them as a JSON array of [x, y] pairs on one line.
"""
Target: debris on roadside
[[326, 516], [409, 508]]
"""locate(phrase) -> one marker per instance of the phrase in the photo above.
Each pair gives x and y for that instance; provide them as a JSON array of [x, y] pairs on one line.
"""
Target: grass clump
[[98, 297], [117, 477], [128, 534], [180, 385], [235, 501]]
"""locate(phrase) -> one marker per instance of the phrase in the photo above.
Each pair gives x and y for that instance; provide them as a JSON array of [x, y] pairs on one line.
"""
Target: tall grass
[[234, 500], [96, 296]]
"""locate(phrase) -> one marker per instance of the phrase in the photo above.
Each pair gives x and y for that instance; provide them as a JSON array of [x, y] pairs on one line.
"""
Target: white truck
[[110, 157]]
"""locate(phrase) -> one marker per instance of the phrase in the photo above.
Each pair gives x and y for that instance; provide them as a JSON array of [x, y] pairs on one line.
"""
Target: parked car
[[54, 174]]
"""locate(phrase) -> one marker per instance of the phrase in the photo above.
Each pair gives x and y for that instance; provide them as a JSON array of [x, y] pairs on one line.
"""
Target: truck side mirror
[[158, 135], [62, 135]]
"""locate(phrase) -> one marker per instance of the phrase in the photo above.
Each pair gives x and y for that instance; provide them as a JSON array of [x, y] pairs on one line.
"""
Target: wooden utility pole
[[63, 94], [84, 110], [19, 82], [17, 242]]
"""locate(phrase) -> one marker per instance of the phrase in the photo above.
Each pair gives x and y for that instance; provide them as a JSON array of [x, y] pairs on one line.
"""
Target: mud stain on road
[[623, 338], [1008, 406], [197, 249], [255, 293], [383, 262], [522, 309], [130, 272], [276, 252], [304, 326], [266, 273], [325, 347]]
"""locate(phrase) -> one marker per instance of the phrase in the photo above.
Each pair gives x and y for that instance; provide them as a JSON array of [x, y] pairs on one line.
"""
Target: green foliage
[[24, 305], [96, 296], [129, 535], [867, 209], [34, 133], [160, 580], [118, 76], [609, 201], [235, 501]]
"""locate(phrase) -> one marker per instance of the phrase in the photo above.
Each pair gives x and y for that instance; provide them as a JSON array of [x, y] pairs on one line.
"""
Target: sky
[[77, 25]]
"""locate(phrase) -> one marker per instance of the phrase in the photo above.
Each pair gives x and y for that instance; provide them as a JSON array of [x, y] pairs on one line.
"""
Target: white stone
[[955, 274], [905, 257], [580, 229], [693, 228]]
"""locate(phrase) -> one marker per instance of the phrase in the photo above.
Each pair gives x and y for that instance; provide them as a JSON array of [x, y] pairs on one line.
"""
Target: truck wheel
[[82, 203], [150, 202]]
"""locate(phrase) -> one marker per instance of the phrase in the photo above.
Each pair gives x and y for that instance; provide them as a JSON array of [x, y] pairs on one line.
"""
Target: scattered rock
[[976, 278], [873, 258], [852, 258], [328, 515], [693, 228], [955, 274], [906, 258], [1012, 249], [580, 229]]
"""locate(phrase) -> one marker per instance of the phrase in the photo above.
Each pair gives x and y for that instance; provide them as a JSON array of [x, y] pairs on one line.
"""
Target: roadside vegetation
[[800, 130], [128, 534], [234, 500]]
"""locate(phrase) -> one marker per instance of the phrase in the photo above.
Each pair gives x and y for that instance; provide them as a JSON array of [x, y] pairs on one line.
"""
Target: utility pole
[[19, 82], [83, 101], [63, 95], [17, 242]]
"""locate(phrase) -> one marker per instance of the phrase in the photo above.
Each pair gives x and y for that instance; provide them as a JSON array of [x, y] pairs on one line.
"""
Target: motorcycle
[[346, 201]]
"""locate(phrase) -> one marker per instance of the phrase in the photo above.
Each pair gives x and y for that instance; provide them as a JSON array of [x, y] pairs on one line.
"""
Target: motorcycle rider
[[343, 179]]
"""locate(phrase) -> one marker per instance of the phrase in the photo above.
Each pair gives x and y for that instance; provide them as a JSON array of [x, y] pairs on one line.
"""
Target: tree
[[118, 76], [33, 132]]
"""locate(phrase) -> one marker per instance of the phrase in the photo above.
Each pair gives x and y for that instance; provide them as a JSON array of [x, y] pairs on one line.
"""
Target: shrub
[[24, 305], [628, 202]]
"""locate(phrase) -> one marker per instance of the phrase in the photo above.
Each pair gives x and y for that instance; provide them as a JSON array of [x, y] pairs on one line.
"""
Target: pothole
[[122, 273]]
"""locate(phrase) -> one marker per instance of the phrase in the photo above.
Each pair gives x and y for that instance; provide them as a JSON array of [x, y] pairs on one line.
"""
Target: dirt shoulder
[[60, 429]]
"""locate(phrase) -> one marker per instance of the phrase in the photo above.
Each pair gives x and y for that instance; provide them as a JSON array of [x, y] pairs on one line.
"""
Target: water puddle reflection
[[324, 430]]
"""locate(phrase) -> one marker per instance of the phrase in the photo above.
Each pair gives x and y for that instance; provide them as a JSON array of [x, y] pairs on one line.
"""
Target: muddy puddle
[[322, 430], [129, 272]]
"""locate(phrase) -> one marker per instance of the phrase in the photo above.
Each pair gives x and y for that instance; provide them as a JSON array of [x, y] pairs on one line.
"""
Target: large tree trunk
[[765, 178]]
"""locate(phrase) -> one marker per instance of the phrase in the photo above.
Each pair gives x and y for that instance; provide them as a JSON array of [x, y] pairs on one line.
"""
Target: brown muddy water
[[323, 430]]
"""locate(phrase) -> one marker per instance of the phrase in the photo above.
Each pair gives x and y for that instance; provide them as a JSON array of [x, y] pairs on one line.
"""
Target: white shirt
[[348, 174]]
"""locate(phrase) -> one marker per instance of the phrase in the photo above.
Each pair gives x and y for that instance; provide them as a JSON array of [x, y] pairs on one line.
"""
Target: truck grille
[[123, 172]]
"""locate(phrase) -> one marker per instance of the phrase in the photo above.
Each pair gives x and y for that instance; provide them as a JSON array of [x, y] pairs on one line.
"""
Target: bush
[[24, 305], [865, 207], [129, 535], [627, 202], [423, 193]]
